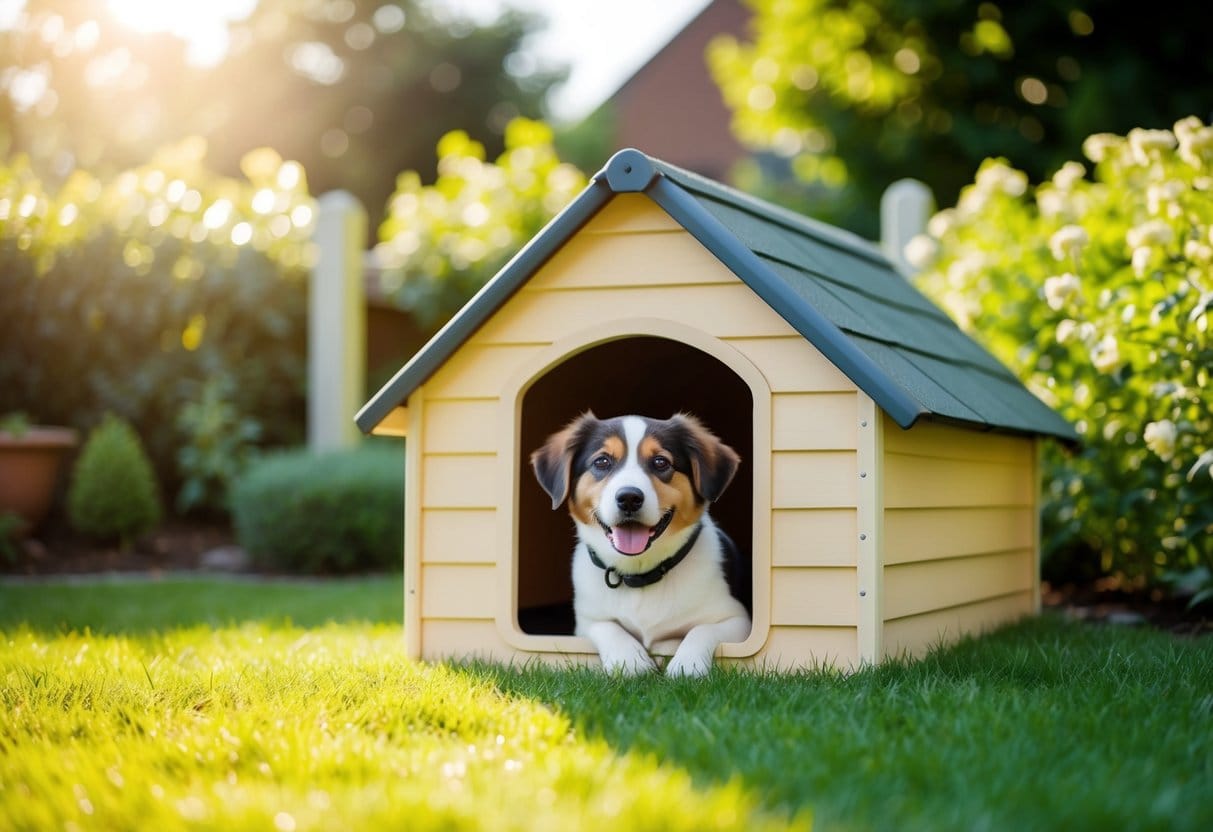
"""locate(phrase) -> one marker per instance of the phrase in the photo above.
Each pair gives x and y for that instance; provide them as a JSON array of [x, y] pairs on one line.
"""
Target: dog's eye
[[602, 463], [661, 464]]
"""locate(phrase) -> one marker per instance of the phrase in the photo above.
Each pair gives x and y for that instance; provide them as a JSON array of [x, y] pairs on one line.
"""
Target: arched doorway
[[642, 374]]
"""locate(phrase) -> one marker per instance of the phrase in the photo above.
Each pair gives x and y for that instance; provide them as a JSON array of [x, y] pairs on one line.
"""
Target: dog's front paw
[[629, 661], [693, 663]]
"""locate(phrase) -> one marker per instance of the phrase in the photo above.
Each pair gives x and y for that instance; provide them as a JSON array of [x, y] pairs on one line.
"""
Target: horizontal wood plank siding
[[932, 533], [912, 588], [813, 537], [478, 371], [460, 536], [819, 596], [813, 421], [458, 481], [463, 639], [948, 442], [458, 591], [630, 213], [460, 426], [914, 635], [930, 482], [722, 309], [633, 262], [790, 365], [814, 479], [808, 648], [960, 533]]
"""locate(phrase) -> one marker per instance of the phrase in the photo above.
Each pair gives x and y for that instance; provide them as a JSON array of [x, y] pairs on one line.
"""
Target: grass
[[137, 605], [224, 716]]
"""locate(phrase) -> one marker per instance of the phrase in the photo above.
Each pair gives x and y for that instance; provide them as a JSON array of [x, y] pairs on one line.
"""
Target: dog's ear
[[553, 463], [713, 463]]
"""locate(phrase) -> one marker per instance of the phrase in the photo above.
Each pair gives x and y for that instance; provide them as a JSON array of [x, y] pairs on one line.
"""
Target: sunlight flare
[[200, 23]]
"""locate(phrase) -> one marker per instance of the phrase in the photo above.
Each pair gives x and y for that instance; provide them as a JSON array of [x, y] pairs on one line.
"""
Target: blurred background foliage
[[1095, 286], [855, 95], [441, 242], [355, 90], [153, 249], [132, 293]]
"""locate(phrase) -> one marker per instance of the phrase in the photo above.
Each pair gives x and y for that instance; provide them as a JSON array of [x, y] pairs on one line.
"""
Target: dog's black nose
[[629, 499]]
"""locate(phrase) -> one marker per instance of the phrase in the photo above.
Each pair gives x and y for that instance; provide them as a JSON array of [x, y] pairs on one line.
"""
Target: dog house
[[888, 489]]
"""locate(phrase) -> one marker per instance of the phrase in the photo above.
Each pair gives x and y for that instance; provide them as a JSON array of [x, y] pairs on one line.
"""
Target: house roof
[[834, 288]]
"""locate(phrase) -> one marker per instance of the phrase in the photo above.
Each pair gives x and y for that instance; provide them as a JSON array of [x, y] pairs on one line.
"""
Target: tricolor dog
[[649, 563]]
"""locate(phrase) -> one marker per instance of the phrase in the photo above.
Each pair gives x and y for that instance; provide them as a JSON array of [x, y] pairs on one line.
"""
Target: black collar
[[639, 579]]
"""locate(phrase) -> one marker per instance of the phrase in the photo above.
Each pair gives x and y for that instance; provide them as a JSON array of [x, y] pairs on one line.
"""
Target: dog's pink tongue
[[630, 538]]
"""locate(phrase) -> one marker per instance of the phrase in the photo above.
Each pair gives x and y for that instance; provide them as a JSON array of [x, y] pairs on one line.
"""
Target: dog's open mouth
[[635, 538]]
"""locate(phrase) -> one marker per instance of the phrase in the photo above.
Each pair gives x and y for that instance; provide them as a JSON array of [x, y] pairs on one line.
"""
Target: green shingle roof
[[834, 288]]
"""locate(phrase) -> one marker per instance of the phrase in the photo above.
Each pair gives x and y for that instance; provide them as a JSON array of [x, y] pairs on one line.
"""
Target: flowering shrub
[[127, 293], [442, 242], [1096, 288]]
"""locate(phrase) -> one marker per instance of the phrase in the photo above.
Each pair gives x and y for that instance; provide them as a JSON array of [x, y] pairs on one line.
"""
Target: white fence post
[[336, 339], [905, 207]]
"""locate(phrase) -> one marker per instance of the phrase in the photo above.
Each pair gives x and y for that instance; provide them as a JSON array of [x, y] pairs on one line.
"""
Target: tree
[[857, 95], [354, 90]]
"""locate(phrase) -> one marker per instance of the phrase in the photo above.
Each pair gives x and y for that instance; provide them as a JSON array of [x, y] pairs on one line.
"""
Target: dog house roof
[[836, 289]]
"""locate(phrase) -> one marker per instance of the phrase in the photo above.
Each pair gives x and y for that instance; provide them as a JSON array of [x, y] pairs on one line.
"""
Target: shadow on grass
[[139, 606], [1043, 725]]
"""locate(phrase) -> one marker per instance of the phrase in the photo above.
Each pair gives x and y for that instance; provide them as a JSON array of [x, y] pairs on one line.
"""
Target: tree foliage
[[1096, 287], [440, 243], [355, 90], [127, 293], [859, 94]]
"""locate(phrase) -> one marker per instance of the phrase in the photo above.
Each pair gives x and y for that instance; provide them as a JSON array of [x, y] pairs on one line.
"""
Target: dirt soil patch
[[177, 545]]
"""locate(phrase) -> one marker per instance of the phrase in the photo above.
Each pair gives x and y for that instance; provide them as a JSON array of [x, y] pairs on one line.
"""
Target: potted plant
[[30, 459]]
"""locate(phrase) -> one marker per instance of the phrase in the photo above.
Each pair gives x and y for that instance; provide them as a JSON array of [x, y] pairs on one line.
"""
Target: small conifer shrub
[[113, 493]]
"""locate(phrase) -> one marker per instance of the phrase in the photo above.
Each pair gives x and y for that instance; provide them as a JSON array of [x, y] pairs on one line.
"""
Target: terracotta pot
[[29, 468]]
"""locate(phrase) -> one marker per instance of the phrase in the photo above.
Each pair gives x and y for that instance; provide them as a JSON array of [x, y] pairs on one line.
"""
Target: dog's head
[[635, 482]]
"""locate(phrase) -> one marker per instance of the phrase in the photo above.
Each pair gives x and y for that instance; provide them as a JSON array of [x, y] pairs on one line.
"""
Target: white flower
[[1160, 438], [1067, 241], [1105, 355], [939, 225], [1097, 147], [1053, 203], [1060, 290], [1066, 330], [999, 176], [1195, 141], [964, 270], [1198, 252], [1149, 233], [921, 251], [1164, 195], [1071, 173], [1145, 144], [1141, 260]]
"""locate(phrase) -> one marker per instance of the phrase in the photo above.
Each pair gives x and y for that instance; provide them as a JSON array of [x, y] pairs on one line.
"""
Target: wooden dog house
[[888, 490]]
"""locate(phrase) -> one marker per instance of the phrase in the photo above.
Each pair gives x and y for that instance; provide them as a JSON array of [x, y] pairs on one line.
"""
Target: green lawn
[[196, 705]]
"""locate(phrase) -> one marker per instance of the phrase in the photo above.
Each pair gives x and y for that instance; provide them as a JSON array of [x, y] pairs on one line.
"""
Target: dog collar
[[639, 579]]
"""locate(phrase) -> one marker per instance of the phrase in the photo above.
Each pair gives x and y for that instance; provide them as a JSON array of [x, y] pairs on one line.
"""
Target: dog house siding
[[960, 523], [813, 439]]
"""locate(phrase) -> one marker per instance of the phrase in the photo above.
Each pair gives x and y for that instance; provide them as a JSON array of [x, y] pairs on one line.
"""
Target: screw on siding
[[863, 593], [864, 423], [863, 474], [863, 537]]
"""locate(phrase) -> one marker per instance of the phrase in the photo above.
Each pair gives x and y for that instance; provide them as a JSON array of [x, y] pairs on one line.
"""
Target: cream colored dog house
[[888, 490]]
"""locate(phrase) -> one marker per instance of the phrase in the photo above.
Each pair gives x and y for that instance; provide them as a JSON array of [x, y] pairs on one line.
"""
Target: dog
[[649, 563]]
